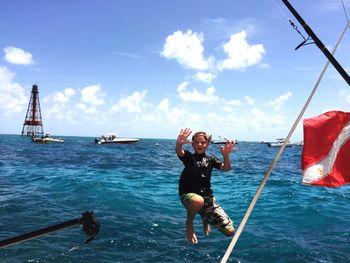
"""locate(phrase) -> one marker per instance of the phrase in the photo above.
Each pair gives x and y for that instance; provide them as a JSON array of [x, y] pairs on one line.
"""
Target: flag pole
[[268, 173]]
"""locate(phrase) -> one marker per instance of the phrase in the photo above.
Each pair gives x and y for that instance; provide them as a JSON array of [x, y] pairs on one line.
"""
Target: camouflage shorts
[[211, 212]]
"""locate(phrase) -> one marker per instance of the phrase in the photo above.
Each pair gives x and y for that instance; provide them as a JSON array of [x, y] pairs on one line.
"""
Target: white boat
[[47, 139], [112, 138], [222, 141], [301, 143], [278, 143]]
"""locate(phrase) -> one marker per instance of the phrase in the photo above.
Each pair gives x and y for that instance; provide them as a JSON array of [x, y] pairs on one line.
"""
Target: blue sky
[[147, 69]]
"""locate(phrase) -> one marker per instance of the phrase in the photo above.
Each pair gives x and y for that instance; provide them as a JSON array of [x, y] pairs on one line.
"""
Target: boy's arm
[[182, 139], [226, 150], [226, 166], [179, 150]]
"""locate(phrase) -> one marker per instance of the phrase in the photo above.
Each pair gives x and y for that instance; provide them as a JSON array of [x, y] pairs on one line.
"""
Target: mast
[[318, 42], [33, 124]]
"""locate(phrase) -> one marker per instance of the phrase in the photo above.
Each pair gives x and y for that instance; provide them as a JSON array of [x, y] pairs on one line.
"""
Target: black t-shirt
[[195, 177]]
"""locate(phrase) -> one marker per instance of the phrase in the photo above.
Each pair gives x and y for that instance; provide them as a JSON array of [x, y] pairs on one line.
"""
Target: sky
[[147, 69]]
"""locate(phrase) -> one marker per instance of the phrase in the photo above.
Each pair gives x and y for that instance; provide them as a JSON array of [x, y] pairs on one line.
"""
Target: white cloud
[[18, 56], [86, 109], [92, 95], [278, 102], [132, 103], [187, 49], [61, 97], [228, 106], [60, 106], [175, 116], [205, 77], [264, 66], [260, 119], [345, 94], [163, 105], [240, 54], [233, 102], [12, 95], [249, 100], [128, 55], [195, 95], [164, 114], [331, 109]]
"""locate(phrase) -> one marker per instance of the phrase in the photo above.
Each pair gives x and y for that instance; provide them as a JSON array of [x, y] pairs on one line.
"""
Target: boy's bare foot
[[191, 236], [206, 227]]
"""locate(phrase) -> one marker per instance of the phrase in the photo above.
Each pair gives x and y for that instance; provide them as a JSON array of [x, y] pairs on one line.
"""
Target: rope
[[268, 173], [346, 15]]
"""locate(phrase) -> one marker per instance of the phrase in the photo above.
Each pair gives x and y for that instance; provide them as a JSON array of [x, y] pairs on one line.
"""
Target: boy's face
[[200, 144]]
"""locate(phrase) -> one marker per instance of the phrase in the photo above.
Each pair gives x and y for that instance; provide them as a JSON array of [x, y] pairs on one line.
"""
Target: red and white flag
[[325, 159]]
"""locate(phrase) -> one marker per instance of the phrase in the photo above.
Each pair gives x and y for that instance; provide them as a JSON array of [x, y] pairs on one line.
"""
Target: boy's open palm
[[228, 148], [183, 136]]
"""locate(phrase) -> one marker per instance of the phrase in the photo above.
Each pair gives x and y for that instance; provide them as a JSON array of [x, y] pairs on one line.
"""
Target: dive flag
[[325, 159]]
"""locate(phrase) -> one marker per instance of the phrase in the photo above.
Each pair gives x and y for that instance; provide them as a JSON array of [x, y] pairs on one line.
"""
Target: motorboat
[[112, 138], [279, 142], [47, 139], [301, 143], [222, 141]]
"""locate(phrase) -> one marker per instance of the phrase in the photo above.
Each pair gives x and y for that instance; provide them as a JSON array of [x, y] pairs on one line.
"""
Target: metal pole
[[318, 42], [90, 227], [37, 233]]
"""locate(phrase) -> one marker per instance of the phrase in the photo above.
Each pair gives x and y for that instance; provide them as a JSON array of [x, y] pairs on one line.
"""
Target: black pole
[[318, 42], [90, 227], [40, 232]]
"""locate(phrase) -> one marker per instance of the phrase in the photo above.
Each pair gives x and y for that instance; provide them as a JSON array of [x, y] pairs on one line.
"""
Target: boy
[[194, 185]]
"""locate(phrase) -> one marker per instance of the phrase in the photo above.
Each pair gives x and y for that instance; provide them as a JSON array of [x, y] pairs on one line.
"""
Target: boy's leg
[[193, 204], [206, 226], [219, 219], [229, 231]]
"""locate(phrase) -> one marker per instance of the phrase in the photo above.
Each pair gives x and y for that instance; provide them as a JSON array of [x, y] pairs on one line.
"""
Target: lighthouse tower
[[33, 124]]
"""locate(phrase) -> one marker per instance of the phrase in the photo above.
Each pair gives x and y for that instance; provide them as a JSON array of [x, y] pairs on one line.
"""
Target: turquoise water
[[132, 189]]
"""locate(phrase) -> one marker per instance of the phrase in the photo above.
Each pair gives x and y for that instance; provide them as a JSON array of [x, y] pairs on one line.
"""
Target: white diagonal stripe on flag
[[322, 168]]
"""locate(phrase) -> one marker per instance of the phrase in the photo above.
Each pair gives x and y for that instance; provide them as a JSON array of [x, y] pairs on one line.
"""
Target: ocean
[[133, 192]]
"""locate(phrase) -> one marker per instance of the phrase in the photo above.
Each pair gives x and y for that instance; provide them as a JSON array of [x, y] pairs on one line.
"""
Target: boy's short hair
[[204, 134]]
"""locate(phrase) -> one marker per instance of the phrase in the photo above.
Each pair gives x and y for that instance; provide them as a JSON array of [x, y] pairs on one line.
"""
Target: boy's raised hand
[[228, 148], [182, 138]]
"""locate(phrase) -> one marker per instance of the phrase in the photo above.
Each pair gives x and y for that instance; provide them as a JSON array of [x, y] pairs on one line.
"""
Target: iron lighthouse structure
[[33, 124]]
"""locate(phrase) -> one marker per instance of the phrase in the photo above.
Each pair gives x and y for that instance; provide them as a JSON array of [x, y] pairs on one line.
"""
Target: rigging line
[[346, 15], [280, 10], [274, 161]]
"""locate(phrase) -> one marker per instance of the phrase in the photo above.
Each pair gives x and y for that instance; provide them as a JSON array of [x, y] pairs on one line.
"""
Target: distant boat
[[264, 142], [301, 143], [112, 138], [278, 143], [47, 139], [222, 141]]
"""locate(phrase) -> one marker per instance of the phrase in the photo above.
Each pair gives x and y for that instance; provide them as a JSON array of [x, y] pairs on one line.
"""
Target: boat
[[279, 142], [222, 141], [112, 138], [301, 143], [47, 139]]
